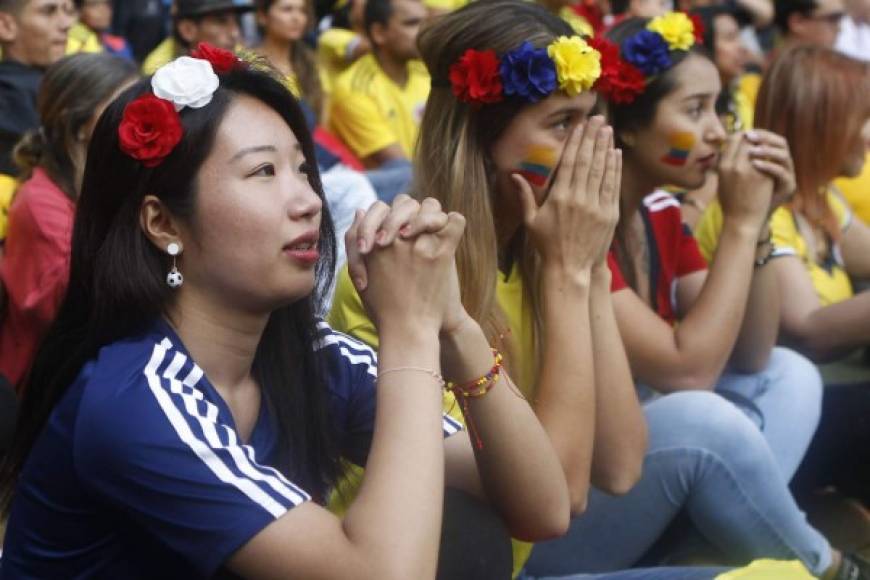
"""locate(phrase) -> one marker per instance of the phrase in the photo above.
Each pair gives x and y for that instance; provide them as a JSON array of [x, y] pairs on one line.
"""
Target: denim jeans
[[727, 465]]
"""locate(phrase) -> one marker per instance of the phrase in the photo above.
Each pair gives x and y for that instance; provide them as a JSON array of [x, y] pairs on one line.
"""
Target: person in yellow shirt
[[342, 41], [817, 99], [377, 103], [195, 21]]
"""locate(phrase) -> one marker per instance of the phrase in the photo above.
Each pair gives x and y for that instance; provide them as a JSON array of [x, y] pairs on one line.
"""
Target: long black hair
[[117, 289], [638, 115]]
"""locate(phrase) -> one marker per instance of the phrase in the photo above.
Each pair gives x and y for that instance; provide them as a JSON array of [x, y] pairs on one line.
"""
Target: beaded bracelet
[[476, 389]]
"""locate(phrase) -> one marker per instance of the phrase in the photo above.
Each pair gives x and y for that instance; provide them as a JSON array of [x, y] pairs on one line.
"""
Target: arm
[[823, 333], [392, 529], [760, 10], [517, 469], [620, 427], [572, 230], [691, 356]]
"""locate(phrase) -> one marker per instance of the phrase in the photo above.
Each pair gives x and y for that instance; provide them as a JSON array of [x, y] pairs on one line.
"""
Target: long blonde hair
[[453, 162]]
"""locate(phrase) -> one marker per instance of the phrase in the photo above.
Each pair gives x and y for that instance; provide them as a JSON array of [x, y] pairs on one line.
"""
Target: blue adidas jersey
[[139, 472]]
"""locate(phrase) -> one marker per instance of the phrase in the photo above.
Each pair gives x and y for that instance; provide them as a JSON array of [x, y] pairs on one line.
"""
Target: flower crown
[[151, 125], [526, 73], [644, 55]]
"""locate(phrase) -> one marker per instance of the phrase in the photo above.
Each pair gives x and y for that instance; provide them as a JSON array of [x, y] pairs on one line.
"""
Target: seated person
[[377, 103], [202, 411], [342, 40], [816, 99], [30, 41], [96, 16], [193, 21], [35, 264]]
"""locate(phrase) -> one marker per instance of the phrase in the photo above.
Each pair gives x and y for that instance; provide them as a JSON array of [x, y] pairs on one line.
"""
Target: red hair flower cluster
[[222, 60], [698, 25], [150, 130], [475, 77], [151, 125], [620, 81]]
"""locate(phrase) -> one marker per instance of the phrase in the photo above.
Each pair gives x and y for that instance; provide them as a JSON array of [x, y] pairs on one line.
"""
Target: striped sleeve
[[352, 376], [160, 452]]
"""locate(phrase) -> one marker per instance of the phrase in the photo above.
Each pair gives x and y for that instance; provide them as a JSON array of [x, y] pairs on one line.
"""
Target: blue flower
[[648, 51], [528, 72]]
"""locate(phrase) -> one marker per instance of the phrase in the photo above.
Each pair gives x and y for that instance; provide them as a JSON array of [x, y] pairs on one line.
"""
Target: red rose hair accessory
[[150, 129], [698, 25], [475, 77], [222, 60], [620, 81]]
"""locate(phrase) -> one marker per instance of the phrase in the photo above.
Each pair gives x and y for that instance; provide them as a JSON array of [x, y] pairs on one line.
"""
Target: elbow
[[579, 502], [621, 481], [546, 521]]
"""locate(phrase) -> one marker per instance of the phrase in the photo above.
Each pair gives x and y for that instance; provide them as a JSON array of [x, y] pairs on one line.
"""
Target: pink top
[[34, 270]]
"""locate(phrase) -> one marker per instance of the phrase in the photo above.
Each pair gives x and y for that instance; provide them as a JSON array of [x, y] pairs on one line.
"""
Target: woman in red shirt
[[35, 265]]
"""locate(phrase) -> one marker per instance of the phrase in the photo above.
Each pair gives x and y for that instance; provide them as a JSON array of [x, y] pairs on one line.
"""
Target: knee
[[800, 381], [704, 421]]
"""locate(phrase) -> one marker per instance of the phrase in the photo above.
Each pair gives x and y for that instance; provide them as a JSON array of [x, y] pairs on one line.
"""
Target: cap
[[187, 8]]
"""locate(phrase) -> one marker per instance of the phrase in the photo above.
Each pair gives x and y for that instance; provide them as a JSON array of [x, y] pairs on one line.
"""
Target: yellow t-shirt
[[348, 315], [857, 192], [334, 47], [369, 112], [830, 280], [82, 39], [164, 53], [8, 185]]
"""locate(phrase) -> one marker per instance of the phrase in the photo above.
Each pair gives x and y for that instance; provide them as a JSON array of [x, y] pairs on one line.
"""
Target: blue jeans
[[640, 574], [726, 464]]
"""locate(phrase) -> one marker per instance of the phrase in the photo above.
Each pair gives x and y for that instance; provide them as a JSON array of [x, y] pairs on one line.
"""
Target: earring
[[174, 279]]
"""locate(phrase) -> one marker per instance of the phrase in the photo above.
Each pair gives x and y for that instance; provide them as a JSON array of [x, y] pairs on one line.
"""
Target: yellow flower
[[578, 65], [676, 28]]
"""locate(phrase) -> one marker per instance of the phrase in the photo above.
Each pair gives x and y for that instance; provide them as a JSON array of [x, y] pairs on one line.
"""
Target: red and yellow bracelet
[[476, 389]]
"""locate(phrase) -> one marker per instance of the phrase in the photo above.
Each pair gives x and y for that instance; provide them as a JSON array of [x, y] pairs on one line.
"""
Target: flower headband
[[644, 55], [151, 126], [526, 73]]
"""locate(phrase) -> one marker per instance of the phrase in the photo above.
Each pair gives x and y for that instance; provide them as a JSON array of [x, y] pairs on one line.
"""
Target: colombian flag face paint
[[681, 145], [538, 165]]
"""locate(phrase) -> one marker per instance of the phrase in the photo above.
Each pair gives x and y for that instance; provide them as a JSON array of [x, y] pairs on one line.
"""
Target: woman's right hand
[[402, 269], [744, 191], [573, 228]]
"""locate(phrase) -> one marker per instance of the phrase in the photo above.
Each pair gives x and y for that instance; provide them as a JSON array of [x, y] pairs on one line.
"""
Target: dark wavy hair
[[117, 288]]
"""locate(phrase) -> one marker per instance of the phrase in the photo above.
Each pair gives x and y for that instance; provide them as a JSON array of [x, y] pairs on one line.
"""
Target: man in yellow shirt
[[378, 102], [195, 21]]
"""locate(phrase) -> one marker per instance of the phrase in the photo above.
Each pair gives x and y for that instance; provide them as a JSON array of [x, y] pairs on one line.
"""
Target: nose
[[715, 132], [305, 205]]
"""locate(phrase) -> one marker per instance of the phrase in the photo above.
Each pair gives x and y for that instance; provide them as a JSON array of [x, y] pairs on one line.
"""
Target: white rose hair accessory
[[186, 82], [151, 126]]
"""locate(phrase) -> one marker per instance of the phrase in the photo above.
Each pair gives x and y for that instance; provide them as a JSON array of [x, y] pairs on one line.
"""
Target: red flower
[[475, 77], [620, 82], [699, 27], [222, 60], [150, 129]]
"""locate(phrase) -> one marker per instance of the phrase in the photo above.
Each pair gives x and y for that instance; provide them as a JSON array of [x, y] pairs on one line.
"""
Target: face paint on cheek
[[538, 165], [681, 144]]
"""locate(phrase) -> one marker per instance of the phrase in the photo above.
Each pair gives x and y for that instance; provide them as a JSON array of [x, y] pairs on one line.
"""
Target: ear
[[158, 225], [378, 34], [8, 28], [188, 30]]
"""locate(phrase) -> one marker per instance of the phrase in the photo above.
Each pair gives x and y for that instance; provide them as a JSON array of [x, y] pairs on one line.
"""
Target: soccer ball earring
[[174, 279]]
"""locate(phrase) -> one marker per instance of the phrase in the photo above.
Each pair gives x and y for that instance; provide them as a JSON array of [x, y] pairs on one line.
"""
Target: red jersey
[[34, 270], [673, 253]]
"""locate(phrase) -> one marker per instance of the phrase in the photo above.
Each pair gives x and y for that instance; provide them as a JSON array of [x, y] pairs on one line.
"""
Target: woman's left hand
[[770, 155]]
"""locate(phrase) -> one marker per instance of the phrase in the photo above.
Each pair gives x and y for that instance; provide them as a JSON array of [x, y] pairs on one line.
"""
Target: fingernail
[[405, 230], [381, 237], [361, 245], [752, 136], [359, 283]]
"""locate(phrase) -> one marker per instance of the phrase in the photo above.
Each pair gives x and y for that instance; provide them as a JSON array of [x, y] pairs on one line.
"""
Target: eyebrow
[[568, 110], [249, 150], [698, 96]]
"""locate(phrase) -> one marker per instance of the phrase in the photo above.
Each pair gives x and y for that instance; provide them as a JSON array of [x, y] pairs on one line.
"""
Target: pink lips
[[304, 248]]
